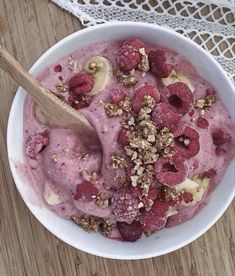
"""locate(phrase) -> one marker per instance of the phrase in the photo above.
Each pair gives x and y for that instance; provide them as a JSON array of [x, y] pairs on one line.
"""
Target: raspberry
[[187, 197], [160, 208], [81, 83], [151, 222], [210, 91], [36, 143], [134, 42], [118, 95], [164, 116], [136, 191], [145, 90], [179, 97], [170, 171], [158, 65], [86, 191], [153, 193], [130, 232], [58, 68], [220, 151], [125, 205], [129, 56], [191, 112], [220, 137], [186, 142], [209, 173], [161, 192], [122, 137], [202, 122]]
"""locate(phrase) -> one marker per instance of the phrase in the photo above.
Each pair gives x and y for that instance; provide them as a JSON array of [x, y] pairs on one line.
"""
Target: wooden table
[[27, 29]]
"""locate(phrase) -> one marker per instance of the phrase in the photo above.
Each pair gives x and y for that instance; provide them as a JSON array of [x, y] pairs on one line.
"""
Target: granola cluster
[[144, 144], [206, 102], [93, 224]]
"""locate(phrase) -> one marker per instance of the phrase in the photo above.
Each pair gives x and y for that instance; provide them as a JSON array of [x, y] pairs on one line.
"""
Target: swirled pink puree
[[82, 181]]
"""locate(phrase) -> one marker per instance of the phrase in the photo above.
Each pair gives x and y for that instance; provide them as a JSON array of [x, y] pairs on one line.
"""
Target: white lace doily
[[210, 23]]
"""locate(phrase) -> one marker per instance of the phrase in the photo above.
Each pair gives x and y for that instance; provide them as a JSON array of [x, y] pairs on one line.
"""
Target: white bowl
[[158, 243]]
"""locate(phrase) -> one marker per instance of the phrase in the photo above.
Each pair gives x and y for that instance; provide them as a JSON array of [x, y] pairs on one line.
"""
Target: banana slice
[[101, 69], [171, 212], [40, 116], [178, 76], [187, 185], [50, 196], [196, 187]]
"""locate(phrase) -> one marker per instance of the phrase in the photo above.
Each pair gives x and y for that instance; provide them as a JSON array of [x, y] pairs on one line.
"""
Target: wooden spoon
[[58, 112]]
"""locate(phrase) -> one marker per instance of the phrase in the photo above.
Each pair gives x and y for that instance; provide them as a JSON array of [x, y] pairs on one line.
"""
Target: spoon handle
[[59, 112]]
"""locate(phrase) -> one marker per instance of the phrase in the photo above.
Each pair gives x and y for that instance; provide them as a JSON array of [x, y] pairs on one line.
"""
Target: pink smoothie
[[66, 160]]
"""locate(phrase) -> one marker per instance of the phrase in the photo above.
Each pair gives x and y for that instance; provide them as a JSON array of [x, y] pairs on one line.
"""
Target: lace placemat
[[210, 23]]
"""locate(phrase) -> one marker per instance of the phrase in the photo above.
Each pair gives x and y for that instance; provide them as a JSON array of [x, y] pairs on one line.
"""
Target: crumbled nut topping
[[62, 87], [205, 102], [171, 193], [113, 110], [90, 224], [94, 67], [102, 200], [72, 64], [149, 204], [144, 64], [127, 79], [145, 143], [118, 162], [106, 227], [118, 73], [130, 80]]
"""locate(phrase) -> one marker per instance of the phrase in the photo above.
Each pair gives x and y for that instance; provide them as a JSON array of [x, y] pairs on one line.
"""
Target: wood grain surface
[[27, 29]]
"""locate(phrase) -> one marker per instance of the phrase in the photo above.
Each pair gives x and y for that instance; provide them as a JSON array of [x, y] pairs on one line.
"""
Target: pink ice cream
[[65, 162]]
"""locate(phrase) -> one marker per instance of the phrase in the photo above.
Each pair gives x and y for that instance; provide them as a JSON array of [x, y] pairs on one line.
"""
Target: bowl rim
[[15, 176]]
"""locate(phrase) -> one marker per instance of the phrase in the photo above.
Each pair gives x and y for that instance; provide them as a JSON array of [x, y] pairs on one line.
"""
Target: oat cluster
[[127, 79], [144, 64], [90, 224], [205, 102], [145, 142], [93, 224], [62, 87], [113, 110], [72, 64]]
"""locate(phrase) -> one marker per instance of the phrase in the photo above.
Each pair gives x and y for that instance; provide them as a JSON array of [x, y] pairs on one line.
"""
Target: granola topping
[[106, 227], [72, 64], [102, 200], [90, 224], [113, 110], [93, 67], [145, 143], [62, 87], [130, 80], [118, 162], [205, 102], [126, 79], [144, 64]]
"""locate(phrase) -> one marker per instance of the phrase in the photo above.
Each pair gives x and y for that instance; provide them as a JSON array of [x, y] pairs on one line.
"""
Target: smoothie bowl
[[162, 172]]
